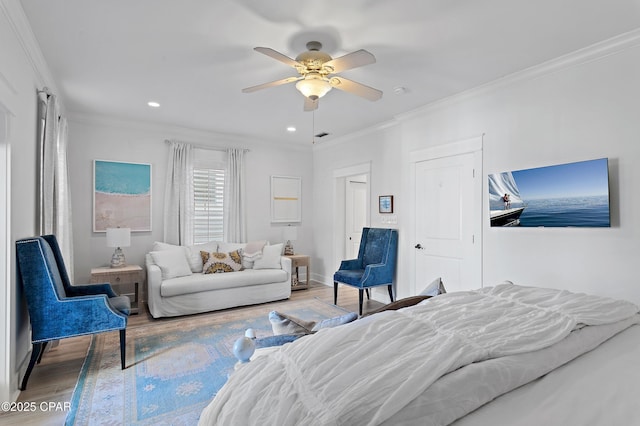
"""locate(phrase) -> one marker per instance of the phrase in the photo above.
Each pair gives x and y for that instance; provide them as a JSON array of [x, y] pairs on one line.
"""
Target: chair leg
[[42, 351], [360, 299], [390, 287], [36, 352], [368, 295], [123, 346], [335, 293]]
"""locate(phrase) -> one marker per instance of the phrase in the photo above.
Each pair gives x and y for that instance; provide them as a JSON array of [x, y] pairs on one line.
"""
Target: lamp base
[[288, 249], [118, 260]]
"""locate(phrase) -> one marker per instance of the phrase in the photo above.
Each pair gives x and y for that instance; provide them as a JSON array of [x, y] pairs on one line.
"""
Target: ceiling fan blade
[[310, 104], [271, 84], [351, 60], [359, 89], [278, 56]]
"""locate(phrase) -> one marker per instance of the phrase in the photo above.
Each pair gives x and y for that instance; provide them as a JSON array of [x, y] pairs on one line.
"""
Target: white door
[[446, 209], [355, 213]]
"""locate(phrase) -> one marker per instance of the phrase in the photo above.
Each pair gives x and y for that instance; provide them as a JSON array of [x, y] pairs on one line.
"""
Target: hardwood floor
[[54, 379]]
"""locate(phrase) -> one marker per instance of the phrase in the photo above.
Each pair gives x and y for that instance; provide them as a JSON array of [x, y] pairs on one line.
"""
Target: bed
[[507, 354]]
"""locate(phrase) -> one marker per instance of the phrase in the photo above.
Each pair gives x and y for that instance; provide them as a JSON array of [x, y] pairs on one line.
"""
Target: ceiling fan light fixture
[[313, 87]]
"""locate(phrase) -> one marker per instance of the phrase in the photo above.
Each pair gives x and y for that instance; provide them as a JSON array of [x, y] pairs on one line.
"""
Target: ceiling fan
[[317, 69]]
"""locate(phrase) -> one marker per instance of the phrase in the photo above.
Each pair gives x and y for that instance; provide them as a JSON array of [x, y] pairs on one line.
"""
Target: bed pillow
[[270, 258], [216, 262], [172, 263]]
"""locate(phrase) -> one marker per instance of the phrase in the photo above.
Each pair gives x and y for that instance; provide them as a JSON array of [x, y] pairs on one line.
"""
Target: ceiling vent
[[322, 135]]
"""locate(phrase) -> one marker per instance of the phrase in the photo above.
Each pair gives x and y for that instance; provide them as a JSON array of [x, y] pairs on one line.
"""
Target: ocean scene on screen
[[566, 195]]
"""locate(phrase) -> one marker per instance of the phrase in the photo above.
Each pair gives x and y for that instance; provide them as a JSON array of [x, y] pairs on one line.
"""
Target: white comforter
[[366, 372]]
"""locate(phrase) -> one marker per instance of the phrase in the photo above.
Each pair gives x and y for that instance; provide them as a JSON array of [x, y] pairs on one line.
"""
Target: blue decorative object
[[375, 265], [58, 309], [244, 348]]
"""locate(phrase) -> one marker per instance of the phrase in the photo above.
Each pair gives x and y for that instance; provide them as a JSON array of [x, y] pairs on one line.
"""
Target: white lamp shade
[[290, 233], [118, 237]]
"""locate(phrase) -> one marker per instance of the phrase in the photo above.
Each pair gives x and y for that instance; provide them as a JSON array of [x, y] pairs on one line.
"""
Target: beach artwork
[[121, 196], [566, 195]]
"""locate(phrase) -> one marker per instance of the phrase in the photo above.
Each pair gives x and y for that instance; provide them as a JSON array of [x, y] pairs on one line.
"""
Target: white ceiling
[[195, 56]]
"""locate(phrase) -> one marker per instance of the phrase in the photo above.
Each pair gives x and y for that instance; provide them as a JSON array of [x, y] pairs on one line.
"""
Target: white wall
[[577, 108], [92, 138], [380, 149], [22, 73]]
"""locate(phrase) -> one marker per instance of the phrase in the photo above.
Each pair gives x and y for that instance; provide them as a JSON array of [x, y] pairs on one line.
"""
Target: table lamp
[[118, 237]]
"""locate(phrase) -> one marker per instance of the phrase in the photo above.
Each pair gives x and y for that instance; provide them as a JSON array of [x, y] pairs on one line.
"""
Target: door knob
[[419, 247]]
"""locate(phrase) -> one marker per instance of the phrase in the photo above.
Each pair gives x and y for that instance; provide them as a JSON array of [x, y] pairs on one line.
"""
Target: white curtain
[[178, 195], [235, 228], [54, 206]]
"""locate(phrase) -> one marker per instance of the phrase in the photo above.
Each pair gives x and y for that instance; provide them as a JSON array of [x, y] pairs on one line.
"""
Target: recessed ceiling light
[[291, 129], [153, 104]]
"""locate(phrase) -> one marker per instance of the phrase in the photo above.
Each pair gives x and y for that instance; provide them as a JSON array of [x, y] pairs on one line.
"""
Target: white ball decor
[[243, 348]]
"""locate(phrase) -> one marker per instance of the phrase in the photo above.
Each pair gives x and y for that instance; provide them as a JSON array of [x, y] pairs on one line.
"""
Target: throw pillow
[[287, 324], [254, 247], [172, 263], [216, 262], [270, 258], [225, 247], [251, 252]]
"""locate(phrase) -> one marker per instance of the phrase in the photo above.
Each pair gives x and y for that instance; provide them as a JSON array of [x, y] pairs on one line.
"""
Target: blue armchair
[[58, 309], [375, 265]]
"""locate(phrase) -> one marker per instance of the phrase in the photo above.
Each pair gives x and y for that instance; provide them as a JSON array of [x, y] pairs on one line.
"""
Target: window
[[208, 204]]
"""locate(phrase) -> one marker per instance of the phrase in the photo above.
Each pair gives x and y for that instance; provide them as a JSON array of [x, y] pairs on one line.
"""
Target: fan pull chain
[[313, 127]]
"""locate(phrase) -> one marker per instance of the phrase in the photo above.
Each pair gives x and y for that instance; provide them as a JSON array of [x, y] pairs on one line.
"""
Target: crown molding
[[355, 135], [594, 52], [14, 13]]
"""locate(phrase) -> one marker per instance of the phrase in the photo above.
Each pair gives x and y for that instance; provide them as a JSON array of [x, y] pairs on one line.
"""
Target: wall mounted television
[[564, 195]]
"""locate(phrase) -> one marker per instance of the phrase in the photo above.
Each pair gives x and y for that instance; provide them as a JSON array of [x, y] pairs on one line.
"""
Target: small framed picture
[[385, 204]]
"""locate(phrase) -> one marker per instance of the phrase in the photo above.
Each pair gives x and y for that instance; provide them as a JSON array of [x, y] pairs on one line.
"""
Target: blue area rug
[[174, 367]]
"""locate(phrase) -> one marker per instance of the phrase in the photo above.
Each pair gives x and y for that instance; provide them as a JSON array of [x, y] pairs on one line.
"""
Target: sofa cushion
[[270, 258], [216, 262], [172, 263], [204, 282]]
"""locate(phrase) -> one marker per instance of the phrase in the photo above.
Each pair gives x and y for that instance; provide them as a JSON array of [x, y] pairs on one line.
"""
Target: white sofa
[[178, 286]]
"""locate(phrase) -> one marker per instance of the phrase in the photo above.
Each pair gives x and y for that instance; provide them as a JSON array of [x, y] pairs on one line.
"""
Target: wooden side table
[[298, 260], [121, 279]]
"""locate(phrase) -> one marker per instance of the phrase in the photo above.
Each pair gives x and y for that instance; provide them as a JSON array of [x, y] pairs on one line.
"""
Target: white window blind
[[208, 194]]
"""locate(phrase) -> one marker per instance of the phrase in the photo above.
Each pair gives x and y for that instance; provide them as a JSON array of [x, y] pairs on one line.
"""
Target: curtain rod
[[211, 148]]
